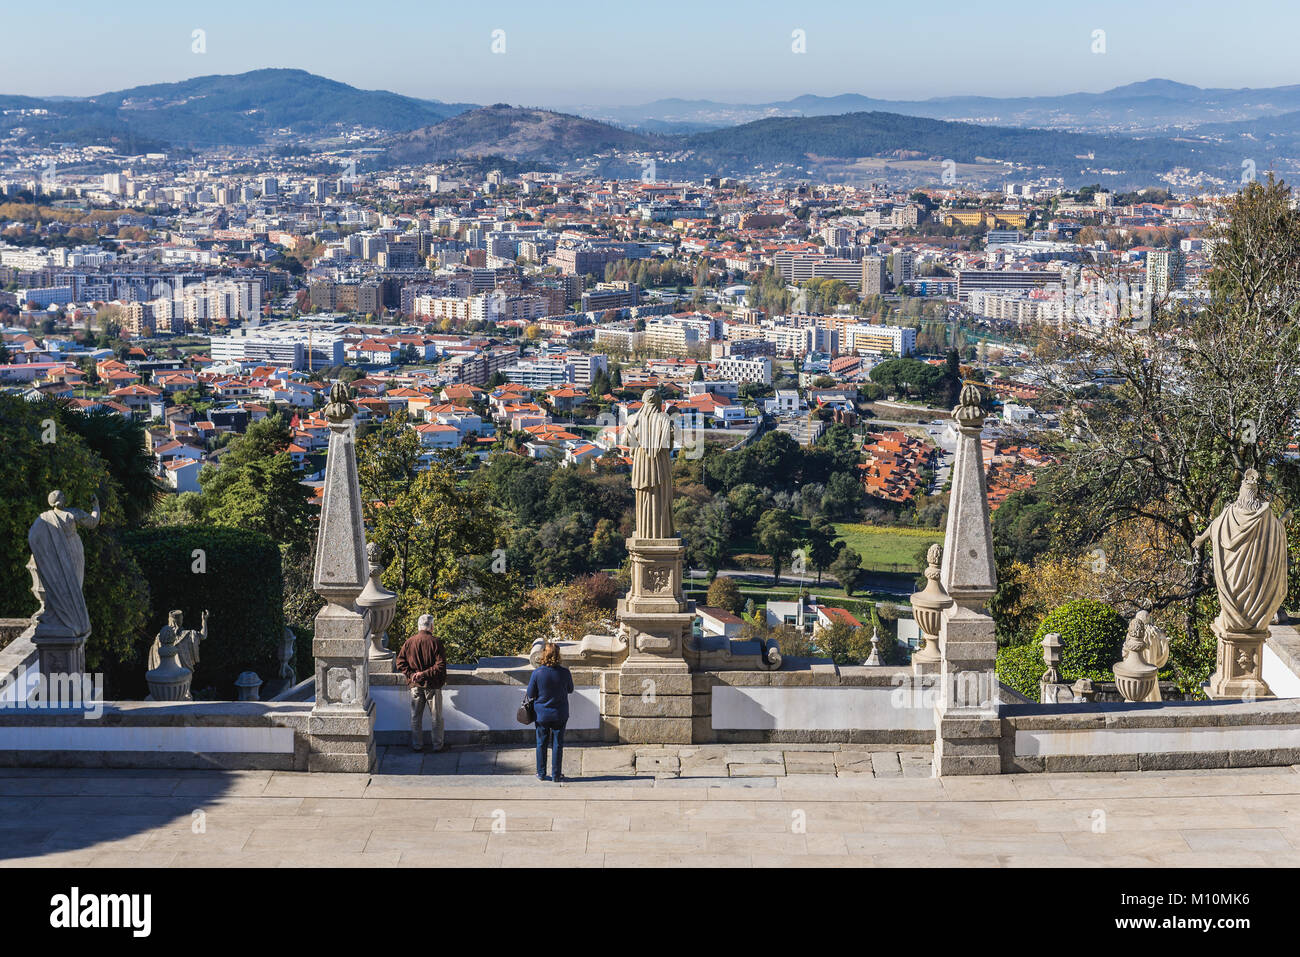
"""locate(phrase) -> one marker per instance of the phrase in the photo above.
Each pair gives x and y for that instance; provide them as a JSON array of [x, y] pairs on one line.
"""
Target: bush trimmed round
[[1092, 639]]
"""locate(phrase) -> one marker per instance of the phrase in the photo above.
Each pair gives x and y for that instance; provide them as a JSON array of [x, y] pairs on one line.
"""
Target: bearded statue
[[1250, 563]]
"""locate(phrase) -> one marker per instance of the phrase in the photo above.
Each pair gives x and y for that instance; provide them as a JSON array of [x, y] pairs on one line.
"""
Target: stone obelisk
[[967, 726], [654, 699], [342, 722]]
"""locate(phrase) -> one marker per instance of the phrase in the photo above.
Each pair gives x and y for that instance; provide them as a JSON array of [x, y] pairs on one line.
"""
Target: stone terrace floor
[[694, 761], [690, 806]]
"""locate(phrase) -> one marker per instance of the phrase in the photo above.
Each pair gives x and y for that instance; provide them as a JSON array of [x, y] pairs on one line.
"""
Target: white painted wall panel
[[819, 709], [89, 737], [1282, 681], [1155, 740], [478, 708]]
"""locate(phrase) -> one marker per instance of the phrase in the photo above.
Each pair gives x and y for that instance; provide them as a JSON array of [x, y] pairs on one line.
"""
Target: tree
[[909, 377], [951, 382], [117, 598], [266, 496], [746, 503], [843, 496], [842, 445], [846, 568], [441, 539], [119, 441], [776, 536], [1204, 392], [844, 644], [725, 593], [1024, 523], [709, 538], [823, 543]]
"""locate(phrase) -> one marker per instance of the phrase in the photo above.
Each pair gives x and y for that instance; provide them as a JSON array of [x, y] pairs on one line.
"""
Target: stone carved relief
[[340, 686], [656, 579], [653, 643]]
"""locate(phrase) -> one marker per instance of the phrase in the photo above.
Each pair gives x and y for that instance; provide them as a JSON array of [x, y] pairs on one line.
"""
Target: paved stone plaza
[[694, 806]]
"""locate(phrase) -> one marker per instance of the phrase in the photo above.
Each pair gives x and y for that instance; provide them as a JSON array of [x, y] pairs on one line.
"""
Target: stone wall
[[224, 735], [806, 702], [1165, 736], [479, 705]]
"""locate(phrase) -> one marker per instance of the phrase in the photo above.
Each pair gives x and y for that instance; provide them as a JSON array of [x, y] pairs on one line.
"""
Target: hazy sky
[[569, 52]]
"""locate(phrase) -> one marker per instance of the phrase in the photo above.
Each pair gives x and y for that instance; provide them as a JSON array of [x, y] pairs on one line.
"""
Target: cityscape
[[897, 475]]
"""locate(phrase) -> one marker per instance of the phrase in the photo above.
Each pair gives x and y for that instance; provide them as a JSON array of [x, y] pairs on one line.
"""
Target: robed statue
[[61, 568], [1249, 547], [650, 434], [186, 640]]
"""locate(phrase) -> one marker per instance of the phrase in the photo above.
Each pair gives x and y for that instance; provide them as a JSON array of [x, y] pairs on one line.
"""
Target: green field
[[887, 548]]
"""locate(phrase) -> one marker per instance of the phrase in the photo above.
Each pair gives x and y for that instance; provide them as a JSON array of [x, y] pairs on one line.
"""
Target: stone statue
[[187, 641], [168, 678], [1249, 544], [288, 647], [650, 433], [1156, 650], [1250, 566], [61, 568], [1134, 675]]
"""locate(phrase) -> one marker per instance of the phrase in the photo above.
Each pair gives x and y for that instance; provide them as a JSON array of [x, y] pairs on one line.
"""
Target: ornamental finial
[[340, 407]]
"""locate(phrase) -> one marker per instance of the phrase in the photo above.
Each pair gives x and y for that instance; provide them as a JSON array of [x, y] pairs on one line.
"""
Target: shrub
[[241, 588], [725, 593], [1092, 639], [1021, 667]]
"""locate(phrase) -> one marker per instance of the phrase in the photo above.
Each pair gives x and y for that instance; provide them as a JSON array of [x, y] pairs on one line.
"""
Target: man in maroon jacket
[[423, 663]]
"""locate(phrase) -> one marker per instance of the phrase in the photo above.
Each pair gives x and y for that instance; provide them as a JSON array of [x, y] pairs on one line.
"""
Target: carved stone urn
[[382, 605], [928, 606], [1134, 676], [170, 681]]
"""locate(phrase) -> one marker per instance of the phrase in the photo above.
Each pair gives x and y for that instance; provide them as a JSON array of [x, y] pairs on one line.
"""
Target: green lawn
[[886, 548]]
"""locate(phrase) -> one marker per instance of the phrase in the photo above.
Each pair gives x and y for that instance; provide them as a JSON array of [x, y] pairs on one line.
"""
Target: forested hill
[[239, 109], [794, 139]]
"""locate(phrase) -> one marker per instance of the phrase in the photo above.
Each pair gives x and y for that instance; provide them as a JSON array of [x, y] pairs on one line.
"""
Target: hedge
[[1092, 639], [241, 586], [1021, 668]]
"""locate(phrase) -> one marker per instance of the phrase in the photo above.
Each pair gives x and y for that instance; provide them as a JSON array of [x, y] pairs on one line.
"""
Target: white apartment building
[[543, 372], [736, 369], [876, 340], [296, 346], [586, 366], [667, 335], [620, 338]]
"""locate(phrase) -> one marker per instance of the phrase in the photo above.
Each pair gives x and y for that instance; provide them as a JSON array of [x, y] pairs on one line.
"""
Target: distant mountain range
[[1074, 136], [827, 146], [240, 110], [1146, 107]]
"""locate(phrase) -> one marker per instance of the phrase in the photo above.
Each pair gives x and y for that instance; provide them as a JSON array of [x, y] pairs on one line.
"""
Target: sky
[[558, 53]]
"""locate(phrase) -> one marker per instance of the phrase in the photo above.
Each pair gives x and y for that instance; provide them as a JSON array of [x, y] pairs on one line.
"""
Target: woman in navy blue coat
[[550, 687]]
